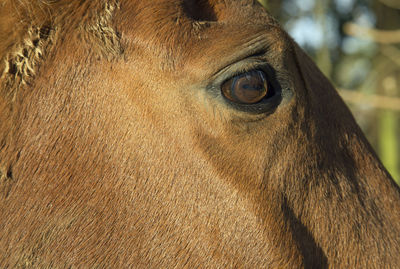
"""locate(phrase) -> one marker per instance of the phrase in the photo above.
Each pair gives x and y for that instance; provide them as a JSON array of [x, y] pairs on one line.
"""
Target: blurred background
[[356, 44]]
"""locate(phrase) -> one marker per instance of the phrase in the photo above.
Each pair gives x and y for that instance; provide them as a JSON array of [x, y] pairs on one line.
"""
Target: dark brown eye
[[247, 88]]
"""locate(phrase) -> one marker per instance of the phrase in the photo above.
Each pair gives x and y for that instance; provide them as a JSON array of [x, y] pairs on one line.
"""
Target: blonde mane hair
[[29, 29]]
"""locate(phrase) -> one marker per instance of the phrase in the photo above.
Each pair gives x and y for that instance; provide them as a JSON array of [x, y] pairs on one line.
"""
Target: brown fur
[[114, 153]]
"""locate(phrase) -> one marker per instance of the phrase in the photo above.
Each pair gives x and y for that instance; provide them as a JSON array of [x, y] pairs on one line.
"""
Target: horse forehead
[[177, 30], [172, 16], [191, 8]]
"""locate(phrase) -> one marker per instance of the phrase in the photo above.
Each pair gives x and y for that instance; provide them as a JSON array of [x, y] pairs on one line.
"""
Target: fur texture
[[118, 150]]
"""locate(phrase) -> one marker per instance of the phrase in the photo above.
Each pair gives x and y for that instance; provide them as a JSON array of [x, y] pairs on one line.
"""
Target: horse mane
[[29, 29]]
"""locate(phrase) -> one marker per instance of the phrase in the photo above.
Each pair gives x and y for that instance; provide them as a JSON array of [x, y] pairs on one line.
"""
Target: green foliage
[[264, 3]]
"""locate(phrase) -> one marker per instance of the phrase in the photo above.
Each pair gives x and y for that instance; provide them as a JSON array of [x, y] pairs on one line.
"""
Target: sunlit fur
[[114, 152]]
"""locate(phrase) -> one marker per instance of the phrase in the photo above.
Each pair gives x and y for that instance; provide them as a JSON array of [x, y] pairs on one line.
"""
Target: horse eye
[[248, 88]]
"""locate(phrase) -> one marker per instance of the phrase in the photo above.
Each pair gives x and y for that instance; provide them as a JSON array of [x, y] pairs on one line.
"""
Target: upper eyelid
[[256, 45], [240, 67]]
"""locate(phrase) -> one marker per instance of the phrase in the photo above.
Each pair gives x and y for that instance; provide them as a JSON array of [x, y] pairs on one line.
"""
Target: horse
[[178, 134]]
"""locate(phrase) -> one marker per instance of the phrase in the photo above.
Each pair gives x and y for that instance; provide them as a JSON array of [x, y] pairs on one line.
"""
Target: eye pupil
[[247, 88]]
